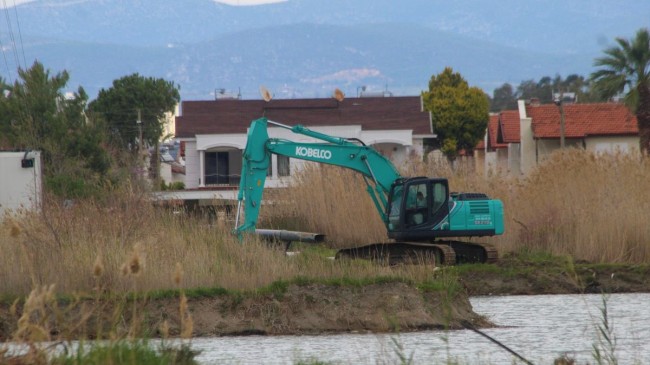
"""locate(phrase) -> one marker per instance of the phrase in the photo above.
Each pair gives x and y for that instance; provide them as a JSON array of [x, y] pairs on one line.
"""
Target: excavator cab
[[417, 207], [422, 210]]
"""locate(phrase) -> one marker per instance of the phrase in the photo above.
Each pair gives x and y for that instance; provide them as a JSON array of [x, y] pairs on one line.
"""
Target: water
[[540, 328]]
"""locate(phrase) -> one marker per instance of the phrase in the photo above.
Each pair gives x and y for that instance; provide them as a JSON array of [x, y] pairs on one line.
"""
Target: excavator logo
[[313, 152]]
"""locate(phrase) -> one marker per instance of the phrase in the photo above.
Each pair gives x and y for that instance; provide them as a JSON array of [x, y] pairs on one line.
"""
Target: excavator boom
[[378, 171]]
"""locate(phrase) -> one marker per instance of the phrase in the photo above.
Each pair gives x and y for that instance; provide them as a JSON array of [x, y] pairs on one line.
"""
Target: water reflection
[[540, 328]]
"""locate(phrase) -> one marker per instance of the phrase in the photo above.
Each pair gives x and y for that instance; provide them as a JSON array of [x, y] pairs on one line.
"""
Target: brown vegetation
[[575, 203], [593, 209], [67, 246]]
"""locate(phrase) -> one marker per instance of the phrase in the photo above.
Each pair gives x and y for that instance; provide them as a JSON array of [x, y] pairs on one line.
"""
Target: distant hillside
[[308, 47], [304, 60], [311, 60], [550, 26]]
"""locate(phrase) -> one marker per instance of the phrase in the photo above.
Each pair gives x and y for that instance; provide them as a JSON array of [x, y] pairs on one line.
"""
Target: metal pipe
[[290, 236], [237, 215], [279, 124]]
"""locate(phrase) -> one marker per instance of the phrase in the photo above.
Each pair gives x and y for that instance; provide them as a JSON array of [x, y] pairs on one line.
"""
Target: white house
[[518, 140], [213, 133]]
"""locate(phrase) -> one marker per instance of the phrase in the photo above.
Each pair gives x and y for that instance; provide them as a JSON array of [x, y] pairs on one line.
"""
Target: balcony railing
[[216, 180]]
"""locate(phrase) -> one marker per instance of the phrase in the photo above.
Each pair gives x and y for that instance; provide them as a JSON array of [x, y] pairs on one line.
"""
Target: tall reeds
[[593, 208], [87, 245]]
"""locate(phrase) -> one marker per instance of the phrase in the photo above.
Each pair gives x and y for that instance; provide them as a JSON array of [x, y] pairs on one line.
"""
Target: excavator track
[[438, 252], [472, 252], [393, 253]]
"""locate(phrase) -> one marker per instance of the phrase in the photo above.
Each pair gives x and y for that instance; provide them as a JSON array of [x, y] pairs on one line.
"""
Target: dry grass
[[127, 243], [591, 208]]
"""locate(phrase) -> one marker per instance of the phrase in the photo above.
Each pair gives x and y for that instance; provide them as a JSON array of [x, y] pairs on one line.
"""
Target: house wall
[[514, 159], [502, 159], [21, 187], [545, 147], [527, 146], [481, 157], [166, 172], [169, 122], [192, 168], [624, 144], [494, 162], [398, 145]]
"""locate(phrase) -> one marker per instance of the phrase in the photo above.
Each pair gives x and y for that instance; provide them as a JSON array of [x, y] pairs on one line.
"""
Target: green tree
[[134, 109], [459, 113], [129, 96], [35, 114], [626, 68], [503, 98]]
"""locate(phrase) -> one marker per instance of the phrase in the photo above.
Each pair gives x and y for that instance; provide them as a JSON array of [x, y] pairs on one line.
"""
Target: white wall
[[401, 143], [19, 187], [192, 168], [514, 159], [623, 144], [166, 172]]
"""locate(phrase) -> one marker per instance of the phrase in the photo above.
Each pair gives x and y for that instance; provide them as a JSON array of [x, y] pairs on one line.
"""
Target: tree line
[[460, 113], [86, 147], [546, 90]]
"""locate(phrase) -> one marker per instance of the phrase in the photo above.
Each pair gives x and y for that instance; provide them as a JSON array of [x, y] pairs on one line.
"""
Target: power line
[[11, 34], [20, 35], [4, 55]]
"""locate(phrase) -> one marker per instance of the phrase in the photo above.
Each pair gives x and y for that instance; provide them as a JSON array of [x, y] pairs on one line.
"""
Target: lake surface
[[539, 328]]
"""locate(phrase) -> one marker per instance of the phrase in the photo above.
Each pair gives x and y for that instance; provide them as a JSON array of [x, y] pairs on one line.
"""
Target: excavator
[[423, 218]]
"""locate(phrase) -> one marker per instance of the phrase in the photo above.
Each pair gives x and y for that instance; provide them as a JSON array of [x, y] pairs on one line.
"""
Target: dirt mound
[[513, 275], [300, 309], [317, 309]]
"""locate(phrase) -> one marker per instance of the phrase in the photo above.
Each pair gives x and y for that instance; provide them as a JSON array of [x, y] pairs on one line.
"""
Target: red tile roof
[[234, 116], [494, 120], [480, 145], [582, 120], [509, 128]]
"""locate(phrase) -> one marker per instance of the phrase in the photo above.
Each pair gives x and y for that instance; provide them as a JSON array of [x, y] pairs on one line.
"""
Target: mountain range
[[306, 48]]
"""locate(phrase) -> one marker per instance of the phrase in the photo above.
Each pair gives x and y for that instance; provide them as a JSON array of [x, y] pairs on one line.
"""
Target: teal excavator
[[423, 218]]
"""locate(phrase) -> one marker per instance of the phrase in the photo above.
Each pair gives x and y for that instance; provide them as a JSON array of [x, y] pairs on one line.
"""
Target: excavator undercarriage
[[439, 252]]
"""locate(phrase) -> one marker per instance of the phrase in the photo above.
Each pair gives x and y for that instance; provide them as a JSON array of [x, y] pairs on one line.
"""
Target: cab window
[[439, 196], [395, 208], [417, 204]]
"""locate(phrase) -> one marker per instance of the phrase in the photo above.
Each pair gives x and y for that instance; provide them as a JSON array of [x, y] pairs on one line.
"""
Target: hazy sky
[[248, 2], [10, 3]]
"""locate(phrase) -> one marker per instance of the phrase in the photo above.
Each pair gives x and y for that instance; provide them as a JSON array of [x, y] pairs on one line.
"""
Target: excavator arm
[[378, 172]]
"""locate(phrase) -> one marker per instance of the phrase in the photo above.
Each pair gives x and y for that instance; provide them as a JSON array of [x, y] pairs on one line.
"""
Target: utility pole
[[560, 103], [139, 123]]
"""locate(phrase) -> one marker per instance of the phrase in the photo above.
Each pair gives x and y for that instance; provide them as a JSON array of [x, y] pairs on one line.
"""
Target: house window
[[283, 166], [216, 168]]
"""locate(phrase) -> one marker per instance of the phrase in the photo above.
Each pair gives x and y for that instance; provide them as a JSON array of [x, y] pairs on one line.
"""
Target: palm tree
[[626, 68]]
